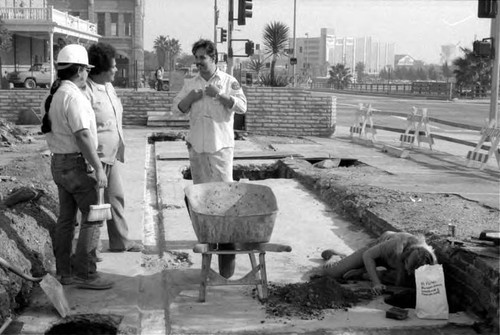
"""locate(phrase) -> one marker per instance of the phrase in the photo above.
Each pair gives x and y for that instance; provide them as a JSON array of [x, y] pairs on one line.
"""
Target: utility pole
[[230, 38], [294, 40], [216, 20], [495, 34]]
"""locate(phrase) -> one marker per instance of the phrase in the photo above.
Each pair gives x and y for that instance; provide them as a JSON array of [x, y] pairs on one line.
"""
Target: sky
[[417, 27]]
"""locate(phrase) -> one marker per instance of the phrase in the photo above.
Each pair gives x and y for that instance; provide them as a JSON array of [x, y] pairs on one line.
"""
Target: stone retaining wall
[[290, 111], [272, 111]]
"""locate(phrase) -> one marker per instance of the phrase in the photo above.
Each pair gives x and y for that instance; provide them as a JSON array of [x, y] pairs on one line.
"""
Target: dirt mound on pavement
[[308, 300]]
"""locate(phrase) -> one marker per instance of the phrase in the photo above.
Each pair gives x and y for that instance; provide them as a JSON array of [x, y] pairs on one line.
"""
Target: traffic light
[[249, 48], [244, 11], [487, 9], [223, 35], [482, 49]]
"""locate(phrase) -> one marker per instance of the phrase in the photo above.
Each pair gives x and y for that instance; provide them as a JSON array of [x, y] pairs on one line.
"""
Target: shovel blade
[[55, 292]]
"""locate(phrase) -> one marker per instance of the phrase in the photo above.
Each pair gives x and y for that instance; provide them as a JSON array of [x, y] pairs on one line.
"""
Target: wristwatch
[[217, 96]]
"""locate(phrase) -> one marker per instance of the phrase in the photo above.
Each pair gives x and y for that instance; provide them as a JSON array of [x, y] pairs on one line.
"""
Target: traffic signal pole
[[216, 19], [230, 38], [495, 34]]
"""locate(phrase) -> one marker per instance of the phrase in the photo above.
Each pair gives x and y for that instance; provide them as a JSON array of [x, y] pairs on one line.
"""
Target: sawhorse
[[364, 114], [493, 133], [257, 275], [417, 122]]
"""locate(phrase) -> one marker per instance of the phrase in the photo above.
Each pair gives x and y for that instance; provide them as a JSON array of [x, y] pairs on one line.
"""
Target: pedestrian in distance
[[400, 253], [70, 130], [111, 145], [159, 78], [211, 98]]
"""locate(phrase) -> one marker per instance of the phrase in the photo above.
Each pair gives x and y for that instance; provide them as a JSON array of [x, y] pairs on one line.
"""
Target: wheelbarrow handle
[[18, 271]]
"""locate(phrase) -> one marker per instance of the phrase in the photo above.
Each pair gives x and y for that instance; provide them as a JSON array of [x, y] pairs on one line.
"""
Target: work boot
[[132, 247], [227, 264], [93, 283]]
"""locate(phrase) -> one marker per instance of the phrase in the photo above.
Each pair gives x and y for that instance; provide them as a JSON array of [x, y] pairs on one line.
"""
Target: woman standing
[[70, 129]]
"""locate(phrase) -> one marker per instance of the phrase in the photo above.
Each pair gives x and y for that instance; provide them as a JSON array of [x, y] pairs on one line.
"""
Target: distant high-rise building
[[316, 54]]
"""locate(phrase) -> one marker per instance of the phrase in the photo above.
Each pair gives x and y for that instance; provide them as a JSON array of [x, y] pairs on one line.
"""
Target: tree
[[447, 72], [174, 49], [161, 46], [5, 42], [340, 76], [360, 71], [255, 65], [276, 41], [432, 73], [471, 71]]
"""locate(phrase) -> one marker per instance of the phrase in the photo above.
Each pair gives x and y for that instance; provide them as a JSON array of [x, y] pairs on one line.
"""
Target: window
[[127, 18], [101, 19], [114, 24]]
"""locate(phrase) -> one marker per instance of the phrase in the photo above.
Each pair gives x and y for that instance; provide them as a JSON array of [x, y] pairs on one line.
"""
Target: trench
[[304, 221]]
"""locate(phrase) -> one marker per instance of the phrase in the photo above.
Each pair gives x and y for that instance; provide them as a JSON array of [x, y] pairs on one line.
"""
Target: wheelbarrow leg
[[263, 275], [258, 277], [206, 259]]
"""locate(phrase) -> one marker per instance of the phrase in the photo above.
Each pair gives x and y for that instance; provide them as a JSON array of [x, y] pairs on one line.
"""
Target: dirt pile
[[28, 207], [10, 134], [309, 300]]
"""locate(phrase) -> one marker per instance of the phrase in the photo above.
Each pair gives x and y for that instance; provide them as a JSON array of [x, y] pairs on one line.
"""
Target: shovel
[[52, 288]]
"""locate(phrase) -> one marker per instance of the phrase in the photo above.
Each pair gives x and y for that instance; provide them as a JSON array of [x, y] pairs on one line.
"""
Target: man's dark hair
[[101, 55], [209, 46]]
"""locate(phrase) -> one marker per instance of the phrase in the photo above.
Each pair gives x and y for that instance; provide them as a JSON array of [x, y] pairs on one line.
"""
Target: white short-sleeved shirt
[[70, 111], [210, 123]]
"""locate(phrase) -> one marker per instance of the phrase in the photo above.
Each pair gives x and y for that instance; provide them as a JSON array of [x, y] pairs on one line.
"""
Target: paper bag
[[431, 292]]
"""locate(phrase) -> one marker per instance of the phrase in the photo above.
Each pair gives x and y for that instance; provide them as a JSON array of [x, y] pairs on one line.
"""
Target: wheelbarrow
[[239, 214]]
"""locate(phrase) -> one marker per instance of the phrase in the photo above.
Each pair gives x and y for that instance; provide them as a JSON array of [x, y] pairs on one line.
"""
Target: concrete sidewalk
[[156, 300]]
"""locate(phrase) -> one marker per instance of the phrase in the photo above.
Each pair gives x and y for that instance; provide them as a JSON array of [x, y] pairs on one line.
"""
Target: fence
[[434, 89]]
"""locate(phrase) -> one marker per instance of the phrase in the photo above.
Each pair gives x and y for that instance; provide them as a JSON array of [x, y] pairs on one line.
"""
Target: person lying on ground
[[400, 253]]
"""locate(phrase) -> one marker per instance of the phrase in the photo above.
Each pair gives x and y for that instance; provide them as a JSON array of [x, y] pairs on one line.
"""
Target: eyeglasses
[[86, 69]]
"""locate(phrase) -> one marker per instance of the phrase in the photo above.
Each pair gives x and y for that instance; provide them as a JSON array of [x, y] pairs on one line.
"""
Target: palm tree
[[161, 47], [174, 51], [472, 70], [256, 65], [340, 76], [275, 40]]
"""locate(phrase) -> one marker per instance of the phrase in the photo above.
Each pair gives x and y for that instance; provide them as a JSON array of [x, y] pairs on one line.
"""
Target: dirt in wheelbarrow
[[309, 300]]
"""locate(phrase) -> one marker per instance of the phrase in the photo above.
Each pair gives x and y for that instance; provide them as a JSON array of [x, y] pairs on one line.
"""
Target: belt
[[73, 154]]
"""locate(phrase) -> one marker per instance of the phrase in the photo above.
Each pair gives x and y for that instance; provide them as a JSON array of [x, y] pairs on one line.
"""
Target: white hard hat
[[73, 54]]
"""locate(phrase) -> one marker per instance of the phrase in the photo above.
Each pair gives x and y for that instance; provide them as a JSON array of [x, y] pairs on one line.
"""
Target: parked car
[[37, 75]]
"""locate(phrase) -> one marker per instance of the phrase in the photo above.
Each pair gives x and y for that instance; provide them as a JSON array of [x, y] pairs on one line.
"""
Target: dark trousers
[[77, 191]]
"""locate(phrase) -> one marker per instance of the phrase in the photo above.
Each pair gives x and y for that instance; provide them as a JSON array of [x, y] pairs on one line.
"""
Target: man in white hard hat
[[70, 129]]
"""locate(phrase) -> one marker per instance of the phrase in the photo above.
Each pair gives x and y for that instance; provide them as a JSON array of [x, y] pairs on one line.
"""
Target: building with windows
[[119, 23], [316, 54], [35, 25]]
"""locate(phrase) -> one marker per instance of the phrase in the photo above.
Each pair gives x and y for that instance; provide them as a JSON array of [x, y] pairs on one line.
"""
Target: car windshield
[[36, 67]]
